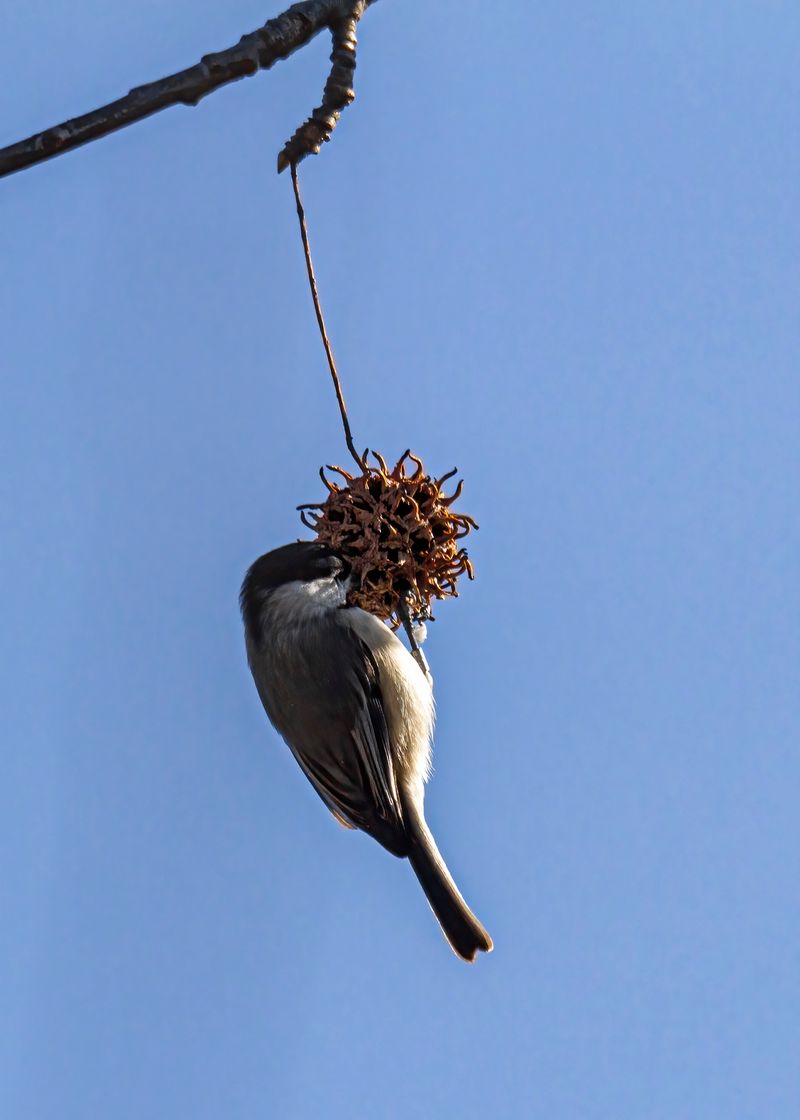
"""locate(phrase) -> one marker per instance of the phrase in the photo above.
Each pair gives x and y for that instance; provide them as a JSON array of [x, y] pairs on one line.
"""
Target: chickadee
[[356, 711]]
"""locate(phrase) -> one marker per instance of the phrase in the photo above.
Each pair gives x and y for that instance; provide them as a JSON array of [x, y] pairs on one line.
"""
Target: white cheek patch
[[301, 596]]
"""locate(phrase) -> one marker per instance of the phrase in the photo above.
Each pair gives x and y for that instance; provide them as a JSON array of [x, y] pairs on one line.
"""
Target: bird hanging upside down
[[355, 709]]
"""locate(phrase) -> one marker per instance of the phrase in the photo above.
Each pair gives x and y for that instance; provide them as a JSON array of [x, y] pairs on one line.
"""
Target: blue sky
[[558, 246]]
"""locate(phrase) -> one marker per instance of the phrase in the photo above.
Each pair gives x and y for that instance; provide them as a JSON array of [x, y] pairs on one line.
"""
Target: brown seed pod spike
[[399, 533]]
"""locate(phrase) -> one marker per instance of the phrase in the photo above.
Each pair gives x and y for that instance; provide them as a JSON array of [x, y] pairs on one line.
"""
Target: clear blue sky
[[559, 246]]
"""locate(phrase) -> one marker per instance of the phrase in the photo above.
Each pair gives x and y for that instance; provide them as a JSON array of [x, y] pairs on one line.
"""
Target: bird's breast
[[407, 697]]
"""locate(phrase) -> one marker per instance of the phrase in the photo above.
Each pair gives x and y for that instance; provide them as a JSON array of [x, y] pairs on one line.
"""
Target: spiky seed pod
[[399, 533]]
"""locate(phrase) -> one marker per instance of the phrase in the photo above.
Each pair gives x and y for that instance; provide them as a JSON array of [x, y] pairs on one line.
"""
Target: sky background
[[558, 246]]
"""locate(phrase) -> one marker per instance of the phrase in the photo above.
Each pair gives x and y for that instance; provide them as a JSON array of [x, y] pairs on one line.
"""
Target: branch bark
[[259, 50]]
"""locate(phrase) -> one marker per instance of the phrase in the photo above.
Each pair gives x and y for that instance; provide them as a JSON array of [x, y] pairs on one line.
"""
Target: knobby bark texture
[[259, 50]]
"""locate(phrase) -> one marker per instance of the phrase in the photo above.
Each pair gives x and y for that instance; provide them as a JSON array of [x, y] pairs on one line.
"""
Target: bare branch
[[337, 95], [260, 50]]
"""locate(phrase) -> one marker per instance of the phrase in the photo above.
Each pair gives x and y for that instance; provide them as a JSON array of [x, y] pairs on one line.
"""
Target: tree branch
[[337, 95], [260, 50]]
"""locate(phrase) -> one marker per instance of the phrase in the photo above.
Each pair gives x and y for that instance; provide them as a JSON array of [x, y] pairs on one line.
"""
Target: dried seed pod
[[398, 531]]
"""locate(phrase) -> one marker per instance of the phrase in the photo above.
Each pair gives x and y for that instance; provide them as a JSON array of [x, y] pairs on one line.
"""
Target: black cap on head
[[303, 560]]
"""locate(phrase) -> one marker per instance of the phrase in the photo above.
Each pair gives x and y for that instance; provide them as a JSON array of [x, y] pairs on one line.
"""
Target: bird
[[356, 711]]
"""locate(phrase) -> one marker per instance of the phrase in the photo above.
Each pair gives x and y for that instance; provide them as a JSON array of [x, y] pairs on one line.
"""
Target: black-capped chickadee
[[356, 710]]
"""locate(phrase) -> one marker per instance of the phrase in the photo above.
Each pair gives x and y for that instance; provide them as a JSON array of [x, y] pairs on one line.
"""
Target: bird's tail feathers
[[462, 929]]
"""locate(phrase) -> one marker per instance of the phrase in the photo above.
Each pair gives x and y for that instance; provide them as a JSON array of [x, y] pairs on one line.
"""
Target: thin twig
[[337, 385], [259, 50]]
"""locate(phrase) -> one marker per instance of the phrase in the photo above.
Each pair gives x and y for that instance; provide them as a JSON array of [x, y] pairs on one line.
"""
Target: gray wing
[[326, 702]]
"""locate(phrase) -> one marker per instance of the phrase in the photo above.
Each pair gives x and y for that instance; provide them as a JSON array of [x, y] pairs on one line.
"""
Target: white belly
[[407, 698]]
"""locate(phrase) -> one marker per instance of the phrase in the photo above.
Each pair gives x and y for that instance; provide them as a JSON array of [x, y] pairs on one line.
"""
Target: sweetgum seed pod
[[398, 532]]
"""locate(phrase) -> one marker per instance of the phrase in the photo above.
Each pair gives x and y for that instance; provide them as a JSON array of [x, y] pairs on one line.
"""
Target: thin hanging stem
[[348, 435]]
